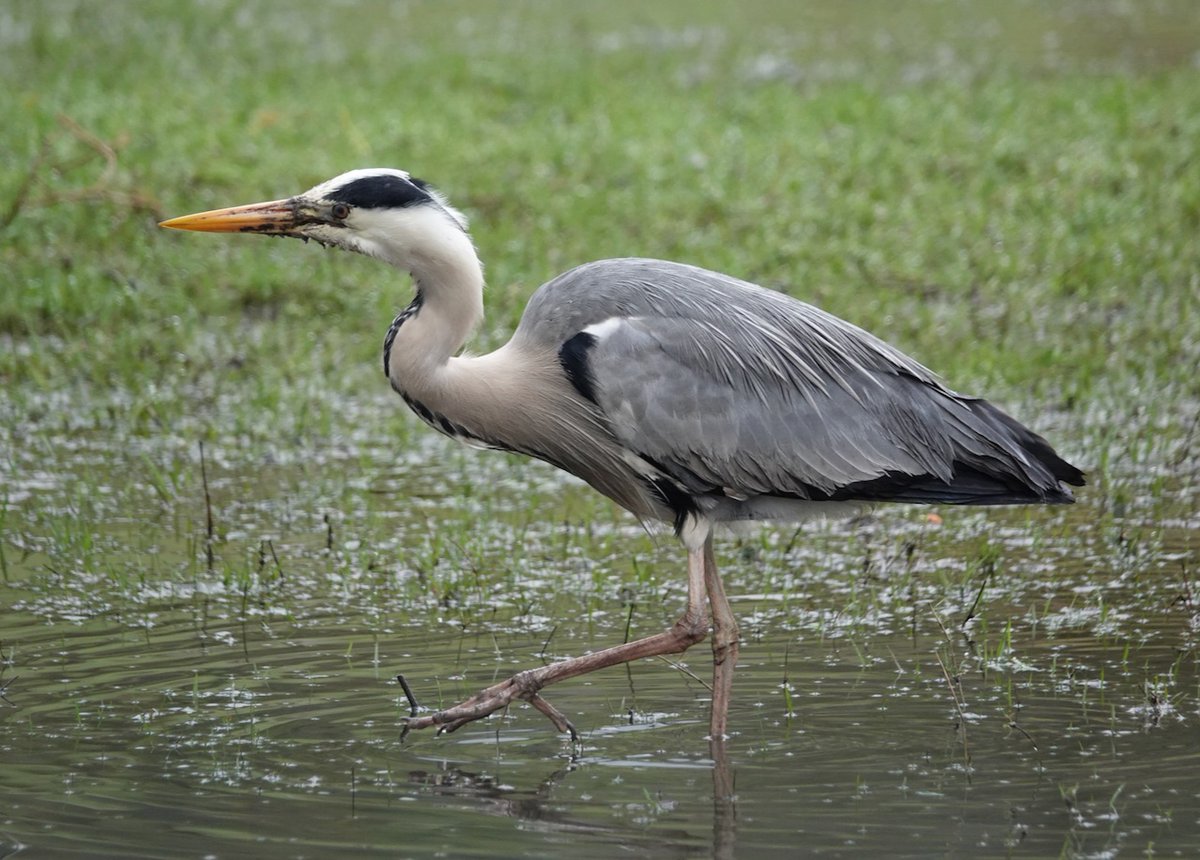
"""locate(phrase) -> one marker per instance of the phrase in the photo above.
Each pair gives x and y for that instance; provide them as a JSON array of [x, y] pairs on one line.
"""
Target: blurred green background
[[1007, 190]]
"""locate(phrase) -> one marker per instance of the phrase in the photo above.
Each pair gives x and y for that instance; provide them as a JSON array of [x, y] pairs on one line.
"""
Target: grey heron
[[684, 395]]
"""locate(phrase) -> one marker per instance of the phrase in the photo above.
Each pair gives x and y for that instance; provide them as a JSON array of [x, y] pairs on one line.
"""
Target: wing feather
[[731, 389]]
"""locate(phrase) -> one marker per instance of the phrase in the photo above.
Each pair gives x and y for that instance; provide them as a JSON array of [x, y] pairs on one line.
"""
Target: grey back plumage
[[734, 393]]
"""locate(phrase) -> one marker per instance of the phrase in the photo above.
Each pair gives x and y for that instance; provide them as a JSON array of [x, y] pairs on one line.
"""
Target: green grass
[[1015, 216]]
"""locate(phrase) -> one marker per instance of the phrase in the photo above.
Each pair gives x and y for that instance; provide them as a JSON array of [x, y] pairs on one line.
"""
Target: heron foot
[[526, 686], [523, 686]]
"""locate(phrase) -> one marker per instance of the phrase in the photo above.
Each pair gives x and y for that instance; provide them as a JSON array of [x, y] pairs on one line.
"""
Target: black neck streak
[[390, 338], [573, 356], [452, 429]]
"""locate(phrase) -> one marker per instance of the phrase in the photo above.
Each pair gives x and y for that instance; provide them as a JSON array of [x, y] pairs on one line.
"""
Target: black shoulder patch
[[382, 191], [573, 356]]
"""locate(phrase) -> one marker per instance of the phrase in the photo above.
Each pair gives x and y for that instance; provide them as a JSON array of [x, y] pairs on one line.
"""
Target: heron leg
[[724, 644], [690, 628]]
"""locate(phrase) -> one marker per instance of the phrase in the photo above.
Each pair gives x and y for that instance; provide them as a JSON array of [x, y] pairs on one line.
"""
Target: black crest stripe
[[382, 191]]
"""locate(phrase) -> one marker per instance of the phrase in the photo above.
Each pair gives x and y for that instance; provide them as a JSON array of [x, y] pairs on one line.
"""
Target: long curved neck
[[447, 308], [516, 398]]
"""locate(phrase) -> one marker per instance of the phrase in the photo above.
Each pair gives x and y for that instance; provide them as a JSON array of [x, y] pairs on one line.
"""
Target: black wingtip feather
[[1034, 446], [969, 486], [1023, 469]]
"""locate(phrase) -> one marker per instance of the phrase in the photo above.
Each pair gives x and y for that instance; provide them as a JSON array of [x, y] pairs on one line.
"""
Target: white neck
[[449, 279]]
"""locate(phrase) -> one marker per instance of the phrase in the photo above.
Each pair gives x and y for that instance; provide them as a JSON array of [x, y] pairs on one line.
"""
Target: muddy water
[[1005, 682]]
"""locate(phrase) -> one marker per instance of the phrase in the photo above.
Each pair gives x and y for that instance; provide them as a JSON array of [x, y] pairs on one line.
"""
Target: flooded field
[[1017, 681], [222, 537]]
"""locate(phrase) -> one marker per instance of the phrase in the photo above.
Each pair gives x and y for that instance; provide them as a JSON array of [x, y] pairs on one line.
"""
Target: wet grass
[[1009, 192], [1008, 227]]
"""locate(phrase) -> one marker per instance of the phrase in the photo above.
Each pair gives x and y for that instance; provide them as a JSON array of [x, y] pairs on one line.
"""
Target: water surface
[[1015, 681]]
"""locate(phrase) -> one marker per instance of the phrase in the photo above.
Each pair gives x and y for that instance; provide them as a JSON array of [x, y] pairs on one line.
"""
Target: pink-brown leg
[[724, 645], [691, 628]]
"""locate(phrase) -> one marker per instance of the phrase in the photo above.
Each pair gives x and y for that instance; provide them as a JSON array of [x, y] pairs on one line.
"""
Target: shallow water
[[1017, 681], [239, 734]]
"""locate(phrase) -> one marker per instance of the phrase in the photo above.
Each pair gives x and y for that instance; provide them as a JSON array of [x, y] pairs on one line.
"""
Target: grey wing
[[775, 398]]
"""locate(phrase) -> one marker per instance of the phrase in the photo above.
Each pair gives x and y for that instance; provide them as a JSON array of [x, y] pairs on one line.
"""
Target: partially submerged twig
[[955, 694], [208, 517], [685, 670], [408, 694], [962, 720], [263, 546], [546, 644], [989, 568], [4, 689]]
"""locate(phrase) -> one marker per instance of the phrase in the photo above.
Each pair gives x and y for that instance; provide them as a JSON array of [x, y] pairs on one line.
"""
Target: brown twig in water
[[989, 568], [954, 694], [546, 644], [408, 694], [4, 689], [962, 720], [1012, 724], [208, 517], [910, 553], [1188, 597], [275, 558], [679, 667]]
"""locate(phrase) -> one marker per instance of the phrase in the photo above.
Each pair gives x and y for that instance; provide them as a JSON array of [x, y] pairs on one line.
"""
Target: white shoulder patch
[[601, 330]]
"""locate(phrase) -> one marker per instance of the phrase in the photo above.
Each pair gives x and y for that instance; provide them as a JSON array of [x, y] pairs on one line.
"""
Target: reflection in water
[[724, 802], [490, 797]]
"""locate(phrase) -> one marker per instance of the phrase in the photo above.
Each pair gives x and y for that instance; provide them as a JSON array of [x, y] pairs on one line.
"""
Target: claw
[[555, 716]]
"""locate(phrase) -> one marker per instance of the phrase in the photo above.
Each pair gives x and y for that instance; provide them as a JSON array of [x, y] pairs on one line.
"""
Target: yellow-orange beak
[[272, 217]]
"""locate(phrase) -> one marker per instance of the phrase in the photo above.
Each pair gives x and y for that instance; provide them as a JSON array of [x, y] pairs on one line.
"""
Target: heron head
[[379, 212]]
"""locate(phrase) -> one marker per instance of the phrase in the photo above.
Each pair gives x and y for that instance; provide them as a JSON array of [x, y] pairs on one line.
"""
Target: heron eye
[[340, 211]]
